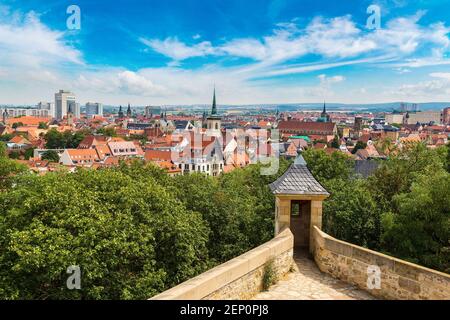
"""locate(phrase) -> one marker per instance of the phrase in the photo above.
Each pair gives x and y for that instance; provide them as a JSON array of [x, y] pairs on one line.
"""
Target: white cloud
[[34, 63], [325, 80], [177, 50], [25, 41], [434, 90], [335, 38], [122, 82], [134, 83], [442, 75]]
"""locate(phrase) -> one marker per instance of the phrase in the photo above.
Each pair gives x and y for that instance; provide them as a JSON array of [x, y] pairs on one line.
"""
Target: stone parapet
[[399, 279], [239, 278]]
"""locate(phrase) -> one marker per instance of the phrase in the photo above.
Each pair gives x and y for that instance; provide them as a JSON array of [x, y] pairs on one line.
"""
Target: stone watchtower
[[298, 203]]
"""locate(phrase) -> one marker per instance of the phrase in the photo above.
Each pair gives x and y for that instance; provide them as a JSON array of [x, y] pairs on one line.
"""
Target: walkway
[[307, 282]]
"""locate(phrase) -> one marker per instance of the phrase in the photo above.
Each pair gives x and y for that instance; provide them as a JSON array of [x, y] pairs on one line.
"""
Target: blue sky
[[254, 51]]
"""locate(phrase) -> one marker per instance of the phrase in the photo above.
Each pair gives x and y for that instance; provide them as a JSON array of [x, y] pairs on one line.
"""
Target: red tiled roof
[[28, 120], [307, 127], [82, 154], [19, 139], [157, 155]]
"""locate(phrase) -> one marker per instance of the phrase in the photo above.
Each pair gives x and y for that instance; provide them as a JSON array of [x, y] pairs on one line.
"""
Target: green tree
[[29, 153], [54, 140], [238, 207], [3, 150], [129, 236], [326, 167], [42, 125], [359, 145], [448, 157], [50, 155], [67, 139], [351, 213], [420, 230], [6, 137], [16, 125], [107, 131], [335, 143], [14, 154], [395, 175], [8, 168]]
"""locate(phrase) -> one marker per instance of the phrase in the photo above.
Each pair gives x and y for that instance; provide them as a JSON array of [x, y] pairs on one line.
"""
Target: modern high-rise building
[[65, 100], [94, 109]]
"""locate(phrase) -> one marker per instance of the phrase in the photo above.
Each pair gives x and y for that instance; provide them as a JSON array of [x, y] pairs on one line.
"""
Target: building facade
[[94, 109], [50, 106], [425, 117], [65, 100]]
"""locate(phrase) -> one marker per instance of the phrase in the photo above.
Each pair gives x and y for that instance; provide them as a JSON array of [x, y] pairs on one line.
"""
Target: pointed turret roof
[[298, 180], [214, 107], [214, 115]]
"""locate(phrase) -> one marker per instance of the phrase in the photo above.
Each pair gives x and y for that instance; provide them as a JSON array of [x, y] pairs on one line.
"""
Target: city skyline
[[172, 53]]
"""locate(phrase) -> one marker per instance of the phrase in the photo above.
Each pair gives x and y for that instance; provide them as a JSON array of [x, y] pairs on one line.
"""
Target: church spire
[[129, 111], [325, 116], [214, 107]]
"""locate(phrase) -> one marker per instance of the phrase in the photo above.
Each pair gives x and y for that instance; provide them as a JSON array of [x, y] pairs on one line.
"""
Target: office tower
[[94, 109], [64, 99]]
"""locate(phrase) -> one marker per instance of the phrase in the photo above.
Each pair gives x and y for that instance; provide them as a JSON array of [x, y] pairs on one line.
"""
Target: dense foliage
[[61, 140], [403, 209], [50, 155], [133, 230]]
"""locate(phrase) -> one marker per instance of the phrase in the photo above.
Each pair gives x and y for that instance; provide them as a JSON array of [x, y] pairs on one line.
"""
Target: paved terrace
[[307, 282]]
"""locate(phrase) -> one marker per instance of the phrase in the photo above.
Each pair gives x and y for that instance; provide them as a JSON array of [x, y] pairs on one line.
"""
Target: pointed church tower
[[120, 113], [324, 115], [129, 111], [214, 107], [214, 121], [5, 116], [70, 116]]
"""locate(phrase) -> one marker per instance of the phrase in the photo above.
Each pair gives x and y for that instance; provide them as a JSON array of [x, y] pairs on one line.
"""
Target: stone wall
[[239, 278], [399, 279]]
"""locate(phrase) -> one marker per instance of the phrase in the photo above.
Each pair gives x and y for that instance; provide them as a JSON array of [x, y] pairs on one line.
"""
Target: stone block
[[338, 247], [363, 255], [409, 285], [406, 270]]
